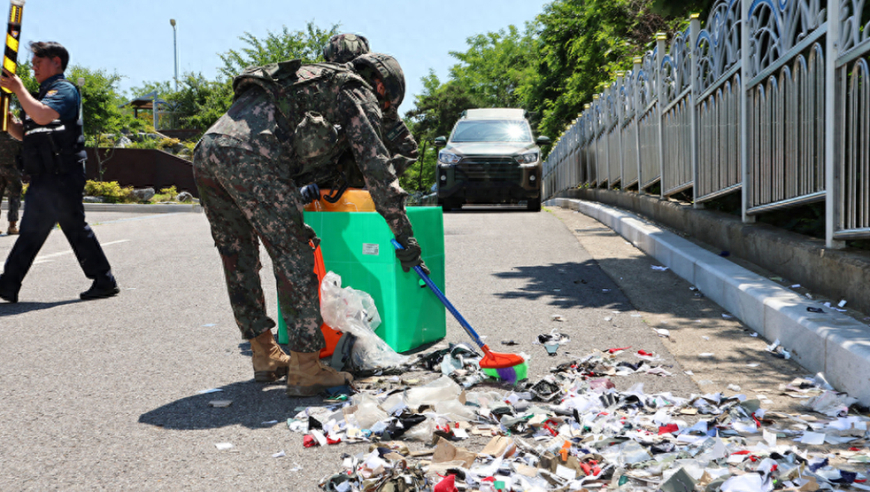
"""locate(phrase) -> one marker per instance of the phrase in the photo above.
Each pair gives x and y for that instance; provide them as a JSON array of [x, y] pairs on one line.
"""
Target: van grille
[[489, 169]]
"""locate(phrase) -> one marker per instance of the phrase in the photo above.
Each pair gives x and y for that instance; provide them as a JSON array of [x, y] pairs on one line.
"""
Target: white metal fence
[[786, 120]]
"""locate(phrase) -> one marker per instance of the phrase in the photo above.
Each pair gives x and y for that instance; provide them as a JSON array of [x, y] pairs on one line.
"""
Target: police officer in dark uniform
[[53, 155]]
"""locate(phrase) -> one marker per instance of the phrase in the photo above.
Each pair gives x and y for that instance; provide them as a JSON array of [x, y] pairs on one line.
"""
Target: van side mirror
[[542, 140], [440, 141]]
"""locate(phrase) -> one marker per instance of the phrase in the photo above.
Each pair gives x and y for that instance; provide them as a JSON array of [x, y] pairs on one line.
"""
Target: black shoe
[[100, 290], [7, 293]]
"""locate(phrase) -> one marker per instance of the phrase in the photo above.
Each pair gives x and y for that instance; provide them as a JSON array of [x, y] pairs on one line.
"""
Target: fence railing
[[769, 98]]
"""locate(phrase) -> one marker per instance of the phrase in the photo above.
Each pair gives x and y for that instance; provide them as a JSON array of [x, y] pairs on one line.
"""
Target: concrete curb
[[132, 208], [831, 343]]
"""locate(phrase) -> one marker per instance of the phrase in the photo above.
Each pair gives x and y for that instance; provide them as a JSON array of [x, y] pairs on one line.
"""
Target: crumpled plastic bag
[[353, 311]]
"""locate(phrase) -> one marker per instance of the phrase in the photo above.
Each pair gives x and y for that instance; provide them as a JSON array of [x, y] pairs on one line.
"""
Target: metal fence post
[[694, 29], [596, 122], [661, 39], [744, 111], [638, 109], [620, 116], [832, 117]]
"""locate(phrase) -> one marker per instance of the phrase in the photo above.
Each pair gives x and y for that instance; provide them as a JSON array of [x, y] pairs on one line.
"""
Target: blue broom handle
[[443, 299]]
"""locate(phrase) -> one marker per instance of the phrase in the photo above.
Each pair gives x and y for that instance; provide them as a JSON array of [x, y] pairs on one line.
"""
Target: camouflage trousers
[[10, 182], [245, 199]]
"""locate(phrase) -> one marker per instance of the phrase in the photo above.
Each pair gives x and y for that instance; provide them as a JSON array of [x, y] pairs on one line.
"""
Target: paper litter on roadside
[[223, 446]]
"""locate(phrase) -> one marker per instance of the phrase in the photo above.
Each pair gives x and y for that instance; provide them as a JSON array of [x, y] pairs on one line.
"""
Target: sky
[[134, 37]]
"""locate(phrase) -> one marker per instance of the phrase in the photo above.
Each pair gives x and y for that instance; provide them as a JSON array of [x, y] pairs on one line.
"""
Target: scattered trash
[[207, 391], [279, 454], [208, 325], [220, 403], [842, 303], [796, 286], [509, 342], [659, 268], [608, 318], [706, 354], [727, 316], [223, 446], [663, 332], [557, 317], [572, 430], [270, 422], [815, 310], [753, 334]]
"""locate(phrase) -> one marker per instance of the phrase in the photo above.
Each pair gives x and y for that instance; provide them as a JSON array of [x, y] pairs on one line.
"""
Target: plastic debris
[[223, 446], [354, 311], [659, 268], [207, 391], [279, 454]]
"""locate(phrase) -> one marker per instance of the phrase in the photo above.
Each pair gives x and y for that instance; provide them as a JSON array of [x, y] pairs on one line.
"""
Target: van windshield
[[491, 131]]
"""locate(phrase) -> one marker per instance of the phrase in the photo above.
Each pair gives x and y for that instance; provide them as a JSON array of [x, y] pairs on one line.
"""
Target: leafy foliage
[[568, 53], [111, 191], [306, 45], [101, 99]]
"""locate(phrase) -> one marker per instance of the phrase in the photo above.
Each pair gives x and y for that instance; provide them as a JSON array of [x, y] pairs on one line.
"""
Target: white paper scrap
[[813, 438], [796, 286], [663, 332], [727, 316], [769, 438], [706, 354], [210, 390], [659, 268], [279, 454], [223, 446], [842, 303], [460, 433], [752, 365], [753, 335], [565, 472]]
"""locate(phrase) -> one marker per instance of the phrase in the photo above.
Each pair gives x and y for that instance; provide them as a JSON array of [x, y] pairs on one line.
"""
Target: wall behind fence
[[770, 99]]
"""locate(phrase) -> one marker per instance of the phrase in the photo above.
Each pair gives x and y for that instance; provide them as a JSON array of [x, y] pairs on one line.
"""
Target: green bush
[[165, 195], [147, 143], [167, 142], [111, 191]]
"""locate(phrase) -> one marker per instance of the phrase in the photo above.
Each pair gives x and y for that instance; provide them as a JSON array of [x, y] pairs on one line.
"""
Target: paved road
[[103, 394]]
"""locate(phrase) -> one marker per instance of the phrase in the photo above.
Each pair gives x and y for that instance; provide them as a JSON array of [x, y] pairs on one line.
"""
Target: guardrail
[[771, 99]]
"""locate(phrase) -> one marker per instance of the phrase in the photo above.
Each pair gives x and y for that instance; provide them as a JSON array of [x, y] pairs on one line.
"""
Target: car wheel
[[534, 205]]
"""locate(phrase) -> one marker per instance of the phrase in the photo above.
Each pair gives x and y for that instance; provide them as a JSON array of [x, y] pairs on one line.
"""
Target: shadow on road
[[7, 309], [568, 285], [255, 406]]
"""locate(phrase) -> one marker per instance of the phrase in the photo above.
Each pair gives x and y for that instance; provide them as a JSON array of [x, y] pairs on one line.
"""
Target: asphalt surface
[[103, 395]]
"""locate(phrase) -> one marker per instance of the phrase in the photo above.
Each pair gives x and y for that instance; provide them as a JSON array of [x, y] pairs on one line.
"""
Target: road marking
[[47, 258]]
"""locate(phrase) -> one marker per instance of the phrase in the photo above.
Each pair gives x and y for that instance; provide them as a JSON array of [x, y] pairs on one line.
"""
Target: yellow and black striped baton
[[10, 57]]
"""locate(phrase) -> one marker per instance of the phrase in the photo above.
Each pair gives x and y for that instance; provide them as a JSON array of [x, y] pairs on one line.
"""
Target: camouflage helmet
[[386, 68], [343, 48]]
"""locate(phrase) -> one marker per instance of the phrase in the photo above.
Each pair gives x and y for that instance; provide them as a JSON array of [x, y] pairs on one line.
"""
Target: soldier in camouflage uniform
[[10, 179], [287, 127]]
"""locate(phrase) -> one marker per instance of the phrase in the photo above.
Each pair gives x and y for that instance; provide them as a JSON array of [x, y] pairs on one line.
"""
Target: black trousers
[[55, 199]]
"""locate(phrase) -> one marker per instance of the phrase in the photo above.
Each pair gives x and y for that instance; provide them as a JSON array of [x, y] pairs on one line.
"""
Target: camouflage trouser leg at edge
[[244, 199], [13, 189]]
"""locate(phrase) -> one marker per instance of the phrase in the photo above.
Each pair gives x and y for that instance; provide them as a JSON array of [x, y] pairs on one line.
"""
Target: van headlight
[[527, 158], [448, 158]]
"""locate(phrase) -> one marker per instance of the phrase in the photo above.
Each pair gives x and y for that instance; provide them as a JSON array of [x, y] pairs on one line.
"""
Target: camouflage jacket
[[322, 111]]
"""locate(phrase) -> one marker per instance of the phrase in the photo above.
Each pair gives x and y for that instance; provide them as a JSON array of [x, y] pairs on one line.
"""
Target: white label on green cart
[[371, 249]]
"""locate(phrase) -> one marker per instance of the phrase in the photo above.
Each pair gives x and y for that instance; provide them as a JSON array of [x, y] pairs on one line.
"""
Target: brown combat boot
[[306, 376], [270, 362], [13, 228]]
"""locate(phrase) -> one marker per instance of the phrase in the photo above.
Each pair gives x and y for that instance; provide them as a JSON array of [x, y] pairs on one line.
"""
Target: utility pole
[[175, 49]]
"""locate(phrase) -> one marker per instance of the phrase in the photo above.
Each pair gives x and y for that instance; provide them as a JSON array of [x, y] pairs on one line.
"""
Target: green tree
[[494, 66], [306, 45]]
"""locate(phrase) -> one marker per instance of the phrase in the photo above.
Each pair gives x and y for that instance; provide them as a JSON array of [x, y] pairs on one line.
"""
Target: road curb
[[831, 343], [132, 208]]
